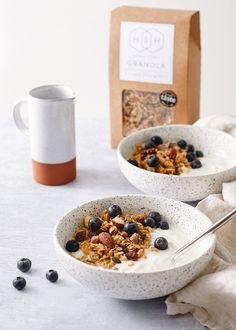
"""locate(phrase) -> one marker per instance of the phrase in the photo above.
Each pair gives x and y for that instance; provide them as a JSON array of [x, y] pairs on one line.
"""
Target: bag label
[[146, 52]]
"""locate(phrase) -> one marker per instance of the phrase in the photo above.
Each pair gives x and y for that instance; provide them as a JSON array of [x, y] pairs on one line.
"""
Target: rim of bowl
[[124, 140], [211, 244]]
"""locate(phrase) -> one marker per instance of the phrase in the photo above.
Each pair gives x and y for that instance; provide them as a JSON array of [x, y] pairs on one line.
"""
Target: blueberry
[[72, 245], [164, 225], [191, 156], [153, 161], [149, 222], [114, 210], [150, 145], [182, 144], [133, 162], [24, 265], [156, 216], [19, 283], [190, 148], [199, 153], [161, 243], [52, 275], [157, 140], [196, 163], [94, 224], [130, 227]]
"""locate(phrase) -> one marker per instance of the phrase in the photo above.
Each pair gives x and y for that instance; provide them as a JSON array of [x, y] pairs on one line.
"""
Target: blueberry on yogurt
[[190, 156], [199, 153], [196, 164], [190, 148], [161, 243], [164, 225], [149, 222], [156, 216]]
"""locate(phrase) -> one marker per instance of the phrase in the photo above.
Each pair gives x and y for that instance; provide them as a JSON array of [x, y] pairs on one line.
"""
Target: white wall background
[[66, 41]]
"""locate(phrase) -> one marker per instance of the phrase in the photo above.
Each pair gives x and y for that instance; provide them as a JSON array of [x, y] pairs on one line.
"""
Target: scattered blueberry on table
[[24, 265], [52, 275], [19, 283]]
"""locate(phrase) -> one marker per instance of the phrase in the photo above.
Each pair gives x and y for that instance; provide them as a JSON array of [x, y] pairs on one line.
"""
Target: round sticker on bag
[[168, 98]]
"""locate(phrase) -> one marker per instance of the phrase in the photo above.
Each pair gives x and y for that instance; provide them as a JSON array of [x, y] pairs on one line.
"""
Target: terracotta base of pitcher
[[54, 174]]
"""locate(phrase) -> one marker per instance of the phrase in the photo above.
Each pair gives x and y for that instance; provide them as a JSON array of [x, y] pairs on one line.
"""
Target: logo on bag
[[168, 98], [142, 39]]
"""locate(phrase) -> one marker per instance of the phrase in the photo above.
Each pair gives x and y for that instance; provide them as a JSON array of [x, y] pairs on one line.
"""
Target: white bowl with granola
[[182, 162], [122, 246]]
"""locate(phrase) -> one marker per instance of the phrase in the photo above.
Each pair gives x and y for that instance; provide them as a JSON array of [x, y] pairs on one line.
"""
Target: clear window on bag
[[141, 109]]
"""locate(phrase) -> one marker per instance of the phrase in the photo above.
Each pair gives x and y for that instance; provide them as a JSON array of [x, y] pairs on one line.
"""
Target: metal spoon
[[212, 229]]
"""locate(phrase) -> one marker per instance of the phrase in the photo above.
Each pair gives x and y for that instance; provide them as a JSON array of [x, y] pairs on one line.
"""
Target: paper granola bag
[[154, 69]]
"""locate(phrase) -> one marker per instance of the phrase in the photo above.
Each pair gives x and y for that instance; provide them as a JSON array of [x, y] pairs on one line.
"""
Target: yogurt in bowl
[[150, 277], [211, 164], [218, 163]]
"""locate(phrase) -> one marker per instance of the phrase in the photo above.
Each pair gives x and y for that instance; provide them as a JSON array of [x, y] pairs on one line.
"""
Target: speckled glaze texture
[[172, 186], [135, 286]]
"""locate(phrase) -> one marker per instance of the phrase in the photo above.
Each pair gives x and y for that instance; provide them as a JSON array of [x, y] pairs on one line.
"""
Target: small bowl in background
[[183, 188]]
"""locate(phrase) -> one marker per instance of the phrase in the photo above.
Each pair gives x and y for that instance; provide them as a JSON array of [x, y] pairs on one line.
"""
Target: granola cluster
[[143, 109], [170, 157], [110, 244]]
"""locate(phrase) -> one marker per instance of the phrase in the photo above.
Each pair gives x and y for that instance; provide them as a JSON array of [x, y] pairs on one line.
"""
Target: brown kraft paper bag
[[154, 69]]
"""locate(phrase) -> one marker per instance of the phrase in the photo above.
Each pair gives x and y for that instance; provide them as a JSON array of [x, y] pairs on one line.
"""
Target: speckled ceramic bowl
[[183, 188], [130, 285]]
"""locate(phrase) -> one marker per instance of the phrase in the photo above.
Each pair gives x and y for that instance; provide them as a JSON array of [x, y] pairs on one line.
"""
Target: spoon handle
[[225, 219]]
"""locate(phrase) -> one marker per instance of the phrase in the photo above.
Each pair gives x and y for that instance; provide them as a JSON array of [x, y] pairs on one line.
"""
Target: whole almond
[[118, 222], [106, 239], [171, 153]]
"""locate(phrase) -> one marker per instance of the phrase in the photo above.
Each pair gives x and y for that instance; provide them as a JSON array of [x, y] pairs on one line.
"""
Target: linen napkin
[[211, 298], [226, 123]]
